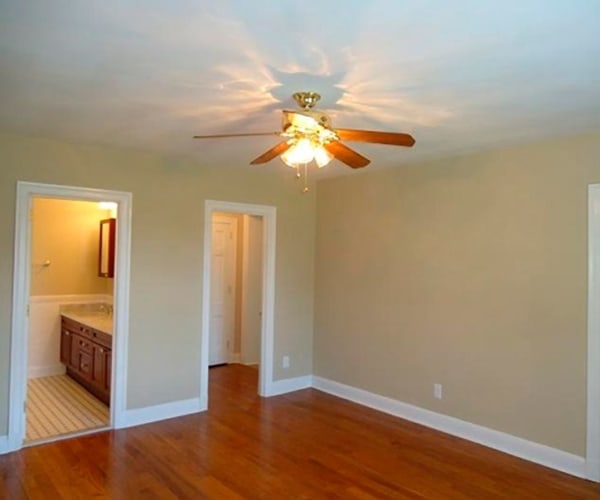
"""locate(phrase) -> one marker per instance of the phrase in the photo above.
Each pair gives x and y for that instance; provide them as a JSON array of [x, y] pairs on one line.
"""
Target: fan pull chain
[[300, 174], [305, 190]]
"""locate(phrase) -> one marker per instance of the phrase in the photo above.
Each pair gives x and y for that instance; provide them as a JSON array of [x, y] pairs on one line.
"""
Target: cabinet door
[[82, 359], [86, 364], [65, 346], [108, 378], [99, 377], [74, 351], [102, 367]]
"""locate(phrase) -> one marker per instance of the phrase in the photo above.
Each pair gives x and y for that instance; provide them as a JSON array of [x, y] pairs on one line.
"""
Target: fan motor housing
[[319, 116]]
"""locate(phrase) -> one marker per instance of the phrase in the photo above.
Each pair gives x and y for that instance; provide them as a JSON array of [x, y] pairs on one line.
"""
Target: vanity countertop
[[97, 320]]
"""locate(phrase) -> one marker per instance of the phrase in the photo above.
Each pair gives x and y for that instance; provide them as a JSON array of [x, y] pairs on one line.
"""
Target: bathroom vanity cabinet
[[87, 354]]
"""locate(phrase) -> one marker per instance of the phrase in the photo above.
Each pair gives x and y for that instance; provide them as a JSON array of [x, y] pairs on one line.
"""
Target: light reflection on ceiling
[[460, 76]]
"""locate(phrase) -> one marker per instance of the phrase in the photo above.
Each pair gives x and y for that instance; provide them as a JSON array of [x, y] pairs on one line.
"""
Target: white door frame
[[21, 280], [592, 452], [268, 213]]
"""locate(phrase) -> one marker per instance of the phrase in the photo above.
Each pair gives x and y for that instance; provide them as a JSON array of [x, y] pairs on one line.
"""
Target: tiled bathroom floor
[[58, 405]]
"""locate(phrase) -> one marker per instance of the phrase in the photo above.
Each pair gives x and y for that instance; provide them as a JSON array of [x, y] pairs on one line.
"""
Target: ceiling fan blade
[[249, 134], [275, 151], [346, 155], [393, 138]]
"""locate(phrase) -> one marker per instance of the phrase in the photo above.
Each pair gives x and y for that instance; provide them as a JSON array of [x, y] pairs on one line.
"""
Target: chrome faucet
[[107, 308]]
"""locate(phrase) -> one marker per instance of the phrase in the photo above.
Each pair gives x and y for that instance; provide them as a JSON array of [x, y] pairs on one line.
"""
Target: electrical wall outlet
[[285, 362], [437, 391]]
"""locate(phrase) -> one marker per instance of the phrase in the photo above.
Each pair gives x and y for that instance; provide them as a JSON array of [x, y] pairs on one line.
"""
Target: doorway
[[592, 452], [70, 318], [236, 289], [25, 267], [254, 314]]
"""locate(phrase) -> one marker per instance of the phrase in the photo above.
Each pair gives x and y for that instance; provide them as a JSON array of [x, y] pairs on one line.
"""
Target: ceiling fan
[[308, 135]]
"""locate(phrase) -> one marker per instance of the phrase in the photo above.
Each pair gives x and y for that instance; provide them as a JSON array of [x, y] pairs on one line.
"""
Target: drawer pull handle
[[66, 334], [101, 350]]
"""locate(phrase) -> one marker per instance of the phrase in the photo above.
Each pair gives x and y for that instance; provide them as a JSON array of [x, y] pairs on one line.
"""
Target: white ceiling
[[460, 75]]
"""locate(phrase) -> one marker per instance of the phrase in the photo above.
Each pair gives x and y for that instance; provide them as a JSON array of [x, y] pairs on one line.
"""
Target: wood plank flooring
[[58, 405], [301, 445]]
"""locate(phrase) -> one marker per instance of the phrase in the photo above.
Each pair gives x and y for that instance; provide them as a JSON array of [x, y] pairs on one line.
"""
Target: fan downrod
[[307, 100]]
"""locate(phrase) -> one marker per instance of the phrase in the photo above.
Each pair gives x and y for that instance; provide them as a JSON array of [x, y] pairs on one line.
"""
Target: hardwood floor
[[305, 444]]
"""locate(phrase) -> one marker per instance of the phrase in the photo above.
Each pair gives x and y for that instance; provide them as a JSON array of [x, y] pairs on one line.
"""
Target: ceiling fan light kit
[[308, 136]]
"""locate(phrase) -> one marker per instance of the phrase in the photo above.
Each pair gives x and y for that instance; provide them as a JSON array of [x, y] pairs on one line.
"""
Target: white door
[[222, 288]]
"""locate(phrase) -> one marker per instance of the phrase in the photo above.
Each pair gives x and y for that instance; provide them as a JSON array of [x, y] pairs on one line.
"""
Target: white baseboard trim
[[522, 448], [203, 403], [46, 371], [235, 357], [4, 445], [140, 416], [279, 387], [591, 470]]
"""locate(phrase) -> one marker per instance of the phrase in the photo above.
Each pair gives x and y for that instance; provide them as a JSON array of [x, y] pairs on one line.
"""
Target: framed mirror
[[106, 258]]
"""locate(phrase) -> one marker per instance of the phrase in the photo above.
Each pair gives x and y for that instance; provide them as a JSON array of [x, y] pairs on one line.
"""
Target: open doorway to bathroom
[[70, 335], [236, 291], [24, 267]]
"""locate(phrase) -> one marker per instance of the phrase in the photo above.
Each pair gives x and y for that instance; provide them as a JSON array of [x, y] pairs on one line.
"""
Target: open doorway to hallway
[[236, 289], [267, 316]]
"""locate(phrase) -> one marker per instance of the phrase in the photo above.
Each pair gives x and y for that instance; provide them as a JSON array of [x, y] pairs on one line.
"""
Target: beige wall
[[166, 258], [252, 306], [66, 233], [469, 272]]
